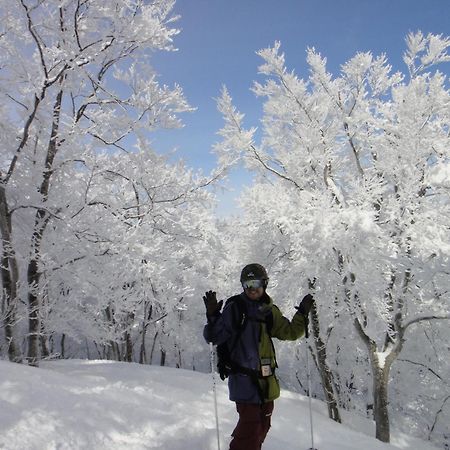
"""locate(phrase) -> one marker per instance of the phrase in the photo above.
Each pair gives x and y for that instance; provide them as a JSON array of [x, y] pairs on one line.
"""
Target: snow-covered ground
[[75, 404]]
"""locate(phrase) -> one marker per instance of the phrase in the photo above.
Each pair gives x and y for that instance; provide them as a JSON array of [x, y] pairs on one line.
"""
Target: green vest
[[285, 330]]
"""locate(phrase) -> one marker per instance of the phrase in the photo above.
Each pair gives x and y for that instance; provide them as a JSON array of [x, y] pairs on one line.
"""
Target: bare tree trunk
[[380, 401], [44, 347], [9, 312], [33, 279], [145, 323], [100, 351], [380, 377], [63, 350], [142, 352], [44, 342], [10, 277], [153, 346], [324, 371], [113, 349], [179, 363], [128, 347], [116, 351], [51, 341], [380, 372], [41, 220], [33, 355]]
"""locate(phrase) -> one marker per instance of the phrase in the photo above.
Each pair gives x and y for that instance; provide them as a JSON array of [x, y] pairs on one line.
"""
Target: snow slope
[[75, 404]]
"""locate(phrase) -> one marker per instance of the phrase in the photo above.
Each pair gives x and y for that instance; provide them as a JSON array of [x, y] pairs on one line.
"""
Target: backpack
[[225, 364]]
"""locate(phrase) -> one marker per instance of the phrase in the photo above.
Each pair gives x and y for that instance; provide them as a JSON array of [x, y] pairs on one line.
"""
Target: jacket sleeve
[[285, 329], [220, 327]]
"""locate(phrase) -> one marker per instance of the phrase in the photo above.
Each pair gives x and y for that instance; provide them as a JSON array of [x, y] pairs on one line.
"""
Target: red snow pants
[[252, 427]]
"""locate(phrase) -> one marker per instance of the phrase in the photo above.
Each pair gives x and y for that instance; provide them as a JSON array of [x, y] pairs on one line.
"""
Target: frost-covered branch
[[423, 319], [237, 140], [438, 413], [425, 51]]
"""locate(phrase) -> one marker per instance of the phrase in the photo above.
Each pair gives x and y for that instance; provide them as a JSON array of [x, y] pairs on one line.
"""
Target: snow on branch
[[424, 318], [237, 142], [425, 51]]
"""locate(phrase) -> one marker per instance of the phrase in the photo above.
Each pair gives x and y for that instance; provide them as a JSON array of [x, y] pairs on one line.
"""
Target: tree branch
[[424, 318]]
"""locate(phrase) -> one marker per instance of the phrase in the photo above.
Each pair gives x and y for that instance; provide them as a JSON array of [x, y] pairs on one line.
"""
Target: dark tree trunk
[[44, 343], [33, 313], [325, 373], [115, 350], [9, 276], [63, 350], [380, 376], [322, 365], [128, 347], [41, 220], [9, 313], [145, 323], [153, 347], [380, 402]]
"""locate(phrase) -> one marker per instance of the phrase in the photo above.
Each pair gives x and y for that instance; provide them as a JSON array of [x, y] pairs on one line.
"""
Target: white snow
[[74, 404]]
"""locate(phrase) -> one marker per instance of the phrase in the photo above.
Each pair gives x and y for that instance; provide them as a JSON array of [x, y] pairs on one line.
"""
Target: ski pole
[[308, 373], [213, 372]]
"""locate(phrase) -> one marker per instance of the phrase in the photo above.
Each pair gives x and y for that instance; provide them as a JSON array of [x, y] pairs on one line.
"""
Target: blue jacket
[[253, 344]]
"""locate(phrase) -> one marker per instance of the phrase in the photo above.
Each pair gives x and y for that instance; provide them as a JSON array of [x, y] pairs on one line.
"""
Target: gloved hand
[[306, 305], [212, 305]]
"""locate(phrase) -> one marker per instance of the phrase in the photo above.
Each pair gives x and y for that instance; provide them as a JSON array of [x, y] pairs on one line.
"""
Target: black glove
[[306, 305], [212, 306]]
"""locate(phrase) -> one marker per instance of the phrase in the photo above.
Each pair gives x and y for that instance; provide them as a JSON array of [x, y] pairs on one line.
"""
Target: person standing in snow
[[246, 327]]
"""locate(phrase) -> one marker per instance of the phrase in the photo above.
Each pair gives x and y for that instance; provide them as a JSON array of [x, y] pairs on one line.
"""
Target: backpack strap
[[239, 318], [225, 365]]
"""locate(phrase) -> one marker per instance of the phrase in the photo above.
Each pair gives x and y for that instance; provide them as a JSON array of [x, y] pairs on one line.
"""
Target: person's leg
[[266, 415], [248, 431]]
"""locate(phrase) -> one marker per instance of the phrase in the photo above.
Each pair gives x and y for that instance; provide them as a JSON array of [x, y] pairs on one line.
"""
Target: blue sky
[[218, 43]]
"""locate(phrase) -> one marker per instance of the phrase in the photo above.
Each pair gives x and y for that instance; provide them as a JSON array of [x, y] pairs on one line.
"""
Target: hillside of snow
[[73, 404]]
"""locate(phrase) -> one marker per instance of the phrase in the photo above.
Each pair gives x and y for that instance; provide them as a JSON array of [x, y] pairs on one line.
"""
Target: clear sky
[[218, 43]]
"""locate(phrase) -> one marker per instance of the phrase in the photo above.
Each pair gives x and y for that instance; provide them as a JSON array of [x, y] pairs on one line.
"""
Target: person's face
[[254, 293], [254, 289]]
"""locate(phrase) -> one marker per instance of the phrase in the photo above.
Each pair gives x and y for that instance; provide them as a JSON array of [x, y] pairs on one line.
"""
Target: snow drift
[[73, 404]]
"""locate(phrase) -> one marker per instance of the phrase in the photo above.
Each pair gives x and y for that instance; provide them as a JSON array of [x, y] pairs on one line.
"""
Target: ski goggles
[[253, 284]]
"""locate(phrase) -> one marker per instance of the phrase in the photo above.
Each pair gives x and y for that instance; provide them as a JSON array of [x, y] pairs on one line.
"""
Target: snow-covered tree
[[134, 233], [92, 221], [353, 176]]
